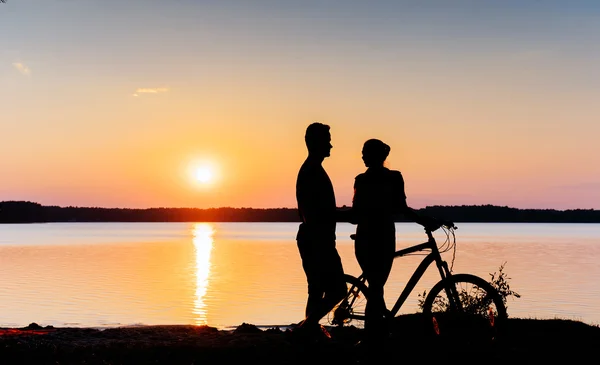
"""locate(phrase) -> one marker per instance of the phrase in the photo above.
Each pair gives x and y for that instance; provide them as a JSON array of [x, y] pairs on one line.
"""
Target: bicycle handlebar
[[447, 224], [434, 226]]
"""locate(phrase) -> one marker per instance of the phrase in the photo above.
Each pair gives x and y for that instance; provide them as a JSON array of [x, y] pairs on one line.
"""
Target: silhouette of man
[[316, 234]]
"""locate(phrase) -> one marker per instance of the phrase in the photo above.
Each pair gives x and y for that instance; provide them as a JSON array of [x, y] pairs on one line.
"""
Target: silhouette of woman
[[379, 198]]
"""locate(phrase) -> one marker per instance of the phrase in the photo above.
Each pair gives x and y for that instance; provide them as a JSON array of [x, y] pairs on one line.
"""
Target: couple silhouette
[[379, 198]]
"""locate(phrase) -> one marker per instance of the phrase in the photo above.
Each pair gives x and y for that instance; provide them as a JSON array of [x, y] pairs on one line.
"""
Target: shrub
[[499, 281]]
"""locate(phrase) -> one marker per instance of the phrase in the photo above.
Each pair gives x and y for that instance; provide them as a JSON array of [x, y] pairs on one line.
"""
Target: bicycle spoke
[[351, 310]]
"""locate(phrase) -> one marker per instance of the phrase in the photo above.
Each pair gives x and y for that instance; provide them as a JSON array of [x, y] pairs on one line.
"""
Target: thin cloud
[[22, 68], [156, 90]]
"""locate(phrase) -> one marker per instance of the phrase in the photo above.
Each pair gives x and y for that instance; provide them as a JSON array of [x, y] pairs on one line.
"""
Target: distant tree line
[[30, 212], [20, 211], [493, 213]]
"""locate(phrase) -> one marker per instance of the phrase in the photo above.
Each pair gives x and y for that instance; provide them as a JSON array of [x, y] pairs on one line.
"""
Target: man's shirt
[[316, 202]]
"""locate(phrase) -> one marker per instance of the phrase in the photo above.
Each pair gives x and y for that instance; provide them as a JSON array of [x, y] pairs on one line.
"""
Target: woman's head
[[375, 152]]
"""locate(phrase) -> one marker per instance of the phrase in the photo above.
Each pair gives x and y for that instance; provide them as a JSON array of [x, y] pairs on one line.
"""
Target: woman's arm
[[412, 214]]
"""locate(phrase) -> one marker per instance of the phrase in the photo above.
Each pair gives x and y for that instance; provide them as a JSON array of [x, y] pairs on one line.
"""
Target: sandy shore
[[525, 339]]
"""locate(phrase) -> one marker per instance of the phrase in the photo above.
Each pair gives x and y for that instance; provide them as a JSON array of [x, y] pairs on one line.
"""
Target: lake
[[225, 274]]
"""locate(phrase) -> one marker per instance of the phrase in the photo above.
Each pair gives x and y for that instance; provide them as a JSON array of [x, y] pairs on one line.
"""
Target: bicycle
[[457, 306]]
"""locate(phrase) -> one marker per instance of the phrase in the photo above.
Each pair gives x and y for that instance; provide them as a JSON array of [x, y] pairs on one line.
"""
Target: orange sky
[[116, 106]]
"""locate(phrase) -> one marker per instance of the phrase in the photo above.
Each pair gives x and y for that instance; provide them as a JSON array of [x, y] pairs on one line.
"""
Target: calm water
[[224, 274]]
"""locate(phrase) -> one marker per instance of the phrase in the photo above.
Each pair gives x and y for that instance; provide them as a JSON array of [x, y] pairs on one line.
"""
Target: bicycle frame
[[433, 256]]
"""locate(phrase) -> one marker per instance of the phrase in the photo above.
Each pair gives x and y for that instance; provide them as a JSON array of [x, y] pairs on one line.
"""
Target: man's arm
[[309, 196]]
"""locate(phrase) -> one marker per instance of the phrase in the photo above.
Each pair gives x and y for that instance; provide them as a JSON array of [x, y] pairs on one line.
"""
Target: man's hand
[[345, 215]]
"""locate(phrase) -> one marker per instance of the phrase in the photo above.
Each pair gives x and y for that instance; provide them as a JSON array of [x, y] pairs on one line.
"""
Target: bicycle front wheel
[[351, 310], [465, 307]]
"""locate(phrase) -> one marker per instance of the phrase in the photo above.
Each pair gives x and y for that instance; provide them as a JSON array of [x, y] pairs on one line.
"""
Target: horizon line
[[288, 208]]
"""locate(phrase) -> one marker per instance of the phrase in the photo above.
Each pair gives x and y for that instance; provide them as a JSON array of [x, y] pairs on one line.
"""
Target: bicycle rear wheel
[[473, 313], [351, 310]]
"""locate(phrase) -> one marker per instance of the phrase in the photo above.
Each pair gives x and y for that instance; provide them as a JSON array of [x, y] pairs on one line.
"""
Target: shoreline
[[247, 343], [31, 212]]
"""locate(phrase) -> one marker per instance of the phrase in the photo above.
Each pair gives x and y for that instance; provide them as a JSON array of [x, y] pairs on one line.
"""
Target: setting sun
[[204, 175], [202, 172]]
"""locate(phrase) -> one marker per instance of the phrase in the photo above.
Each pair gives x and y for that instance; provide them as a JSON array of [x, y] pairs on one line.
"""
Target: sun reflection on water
[[203, 244]]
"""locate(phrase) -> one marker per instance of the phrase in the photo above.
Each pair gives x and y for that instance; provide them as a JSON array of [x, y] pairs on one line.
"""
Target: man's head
[[318, 140]]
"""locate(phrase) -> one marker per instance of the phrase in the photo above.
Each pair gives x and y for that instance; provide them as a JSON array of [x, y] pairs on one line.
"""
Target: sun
[[204, 175]]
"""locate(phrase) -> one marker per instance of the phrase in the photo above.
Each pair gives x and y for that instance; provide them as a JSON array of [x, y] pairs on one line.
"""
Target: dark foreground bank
[[524, 340]]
